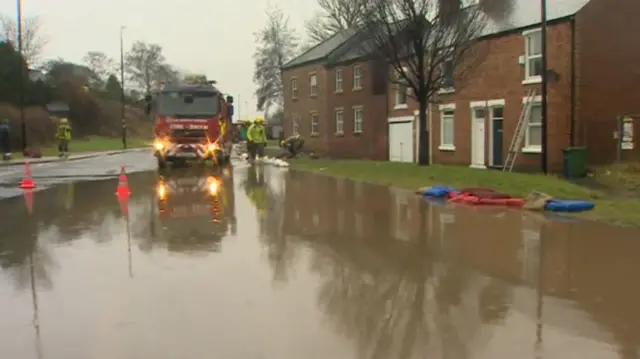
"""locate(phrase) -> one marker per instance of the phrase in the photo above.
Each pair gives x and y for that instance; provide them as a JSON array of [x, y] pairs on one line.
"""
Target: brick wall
[[608, 72]]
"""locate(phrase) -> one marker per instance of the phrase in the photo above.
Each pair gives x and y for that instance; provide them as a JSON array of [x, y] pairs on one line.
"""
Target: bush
[[40, 128], [103, 119]]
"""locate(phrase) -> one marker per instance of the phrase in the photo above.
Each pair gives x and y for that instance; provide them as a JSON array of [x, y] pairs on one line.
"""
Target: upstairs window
[[339, 80], [447, 75], [313, 85], [533, 55], [357, 78], [294, 89]]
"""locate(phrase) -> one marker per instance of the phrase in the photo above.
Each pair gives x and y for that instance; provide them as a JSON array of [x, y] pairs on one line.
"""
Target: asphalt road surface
[[262, 262]]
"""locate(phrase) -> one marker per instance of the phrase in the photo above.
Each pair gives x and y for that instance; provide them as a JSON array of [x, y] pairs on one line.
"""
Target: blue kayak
[[569, 206]]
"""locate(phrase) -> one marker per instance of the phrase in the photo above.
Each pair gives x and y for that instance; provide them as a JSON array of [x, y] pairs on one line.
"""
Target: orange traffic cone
[[122, 191], [27, 181], [28, 200], [124, 204]]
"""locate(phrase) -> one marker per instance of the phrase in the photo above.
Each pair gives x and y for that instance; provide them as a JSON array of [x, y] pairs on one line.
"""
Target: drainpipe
[[572, 121], [545, 84], [429, 127]]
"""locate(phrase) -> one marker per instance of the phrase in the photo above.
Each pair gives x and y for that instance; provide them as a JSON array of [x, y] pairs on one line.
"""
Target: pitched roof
[[345, 45], [360, 44], [322, 50], [527, 13]]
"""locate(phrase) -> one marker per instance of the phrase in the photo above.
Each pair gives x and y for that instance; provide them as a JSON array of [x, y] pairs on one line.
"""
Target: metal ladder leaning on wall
[[519, 133]]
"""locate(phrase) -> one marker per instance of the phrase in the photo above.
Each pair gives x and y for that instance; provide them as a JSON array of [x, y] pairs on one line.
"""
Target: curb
[[75, 158]]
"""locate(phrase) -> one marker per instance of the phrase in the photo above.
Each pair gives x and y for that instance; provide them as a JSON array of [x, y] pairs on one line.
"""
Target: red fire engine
[[192, 123]]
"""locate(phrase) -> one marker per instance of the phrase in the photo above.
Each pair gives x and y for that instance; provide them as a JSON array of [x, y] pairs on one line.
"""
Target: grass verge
[[620, 177], [94, 144], [619, 211]]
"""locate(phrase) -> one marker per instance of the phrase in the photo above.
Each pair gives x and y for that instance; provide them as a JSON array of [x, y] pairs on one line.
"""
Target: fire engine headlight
[[161, 191], [159, 146], [214, 186], [212, 147]]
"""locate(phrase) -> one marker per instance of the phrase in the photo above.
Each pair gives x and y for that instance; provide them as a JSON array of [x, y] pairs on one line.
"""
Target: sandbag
[[536, 201], [484, 193]]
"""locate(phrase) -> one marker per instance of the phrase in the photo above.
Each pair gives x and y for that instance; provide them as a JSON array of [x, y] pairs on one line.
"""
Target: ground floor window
[[357, 120], [339, 122], [315, 124], [295, 127], [533, 137], [447, 128]]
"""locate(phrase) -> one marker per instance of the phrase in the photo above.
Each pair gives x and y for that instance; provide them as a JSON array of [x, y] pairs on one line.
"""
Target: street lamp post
[[544, 77], [21, 63], [122, 95]]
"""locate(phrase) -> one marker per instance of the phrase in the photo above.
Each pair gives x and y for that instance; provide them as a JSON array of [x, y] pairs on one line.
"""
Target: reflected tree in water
[[399, 299]]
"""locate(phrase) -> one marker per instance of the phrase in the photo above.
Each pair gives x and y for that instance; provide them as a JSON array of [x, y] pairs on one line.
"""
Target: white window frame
[[314, 124], [339, 80], [358, 123], [357, 77], [528, 148], [295, 130], [398, 105], [294, 88], [313, 85], [443, 108], [339, 118], [529, 57]]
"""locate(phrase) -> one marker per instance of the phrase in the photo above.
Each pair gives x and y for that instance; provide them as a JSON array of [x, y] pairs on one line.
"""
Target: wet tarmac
[[266, 263]]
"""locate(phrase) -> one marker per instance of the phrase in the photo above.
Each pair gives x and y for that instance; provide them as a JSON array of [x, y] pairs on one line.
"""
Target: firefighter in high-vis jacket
[[63, 136], [256, 138], [293, 144], [223, 127]]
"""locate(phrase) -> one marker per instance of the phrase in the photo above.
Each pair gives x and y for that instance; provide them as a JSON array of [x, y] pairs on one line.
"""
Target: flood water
[[292, 265]]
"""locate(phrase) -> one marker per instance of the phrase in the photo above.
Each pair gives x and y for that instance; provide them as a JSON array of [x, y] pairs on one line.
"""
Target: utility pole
[[23, 78], [544, 77], [122, 96]]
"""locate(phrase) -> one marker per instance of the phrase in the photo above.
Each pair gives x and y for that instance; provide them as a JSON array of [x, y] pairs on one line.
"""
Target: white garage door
[[401, 142]]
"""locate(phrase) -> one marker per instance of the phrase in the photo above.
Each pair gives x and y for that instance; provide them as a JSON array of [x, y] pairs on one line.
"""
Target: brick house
[[334, 98], [595, 76]]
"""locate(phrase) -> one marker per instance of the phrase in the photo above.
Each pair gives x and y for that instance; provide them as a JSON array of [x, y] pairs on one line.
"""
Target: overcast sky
[[211, 37]]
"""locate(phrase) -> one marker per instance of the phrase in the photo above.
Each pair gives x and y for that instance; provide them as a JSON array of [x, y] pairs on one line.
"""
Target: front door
[[401, 142], [478, 116], [497, 120]]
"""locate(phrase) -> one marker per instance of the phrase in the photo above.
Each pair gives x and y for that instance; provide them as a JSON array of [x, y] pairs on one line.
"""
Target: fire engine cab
[[192, 123]]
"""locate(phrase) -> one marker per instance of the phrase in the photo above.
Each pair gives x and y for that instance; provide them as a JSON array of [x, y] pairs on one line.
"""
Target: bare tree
[[146, 65], [277, 44], [33, 43], [166, 74], [334, 16], [430, 45], [101, 65]]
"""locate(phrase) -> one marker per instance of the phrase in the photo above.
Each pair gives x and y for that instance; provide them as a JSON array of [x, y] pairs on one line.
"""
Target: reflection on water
[[404, 278], [360, 271], [195, 208]]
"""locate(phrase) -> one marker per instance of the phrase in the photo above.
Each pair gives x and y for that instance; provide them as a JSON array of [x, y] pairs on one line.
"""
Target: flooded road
[[270, 264]]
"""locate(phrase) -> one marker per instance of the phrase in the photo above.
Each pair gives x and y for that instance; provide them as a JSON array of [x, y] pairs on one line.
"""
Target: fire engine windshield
[[172, 103]]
